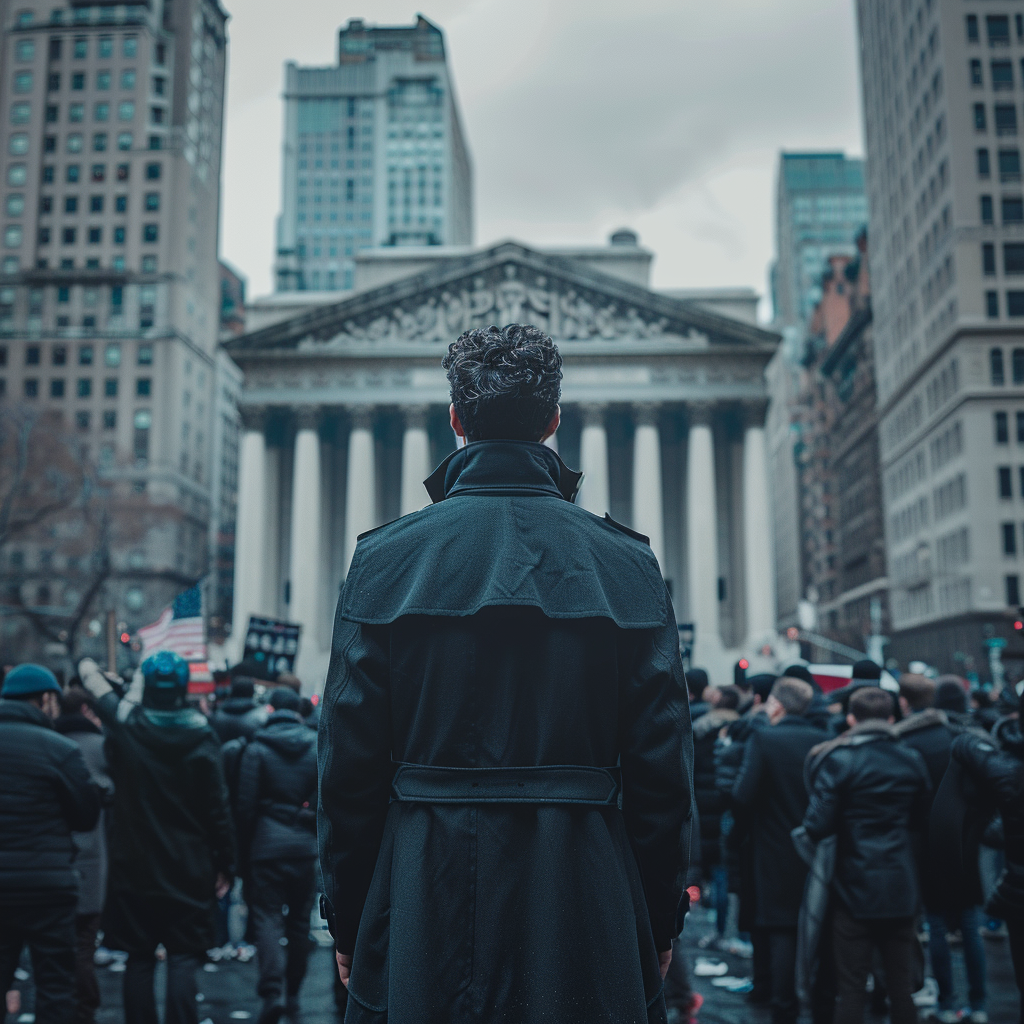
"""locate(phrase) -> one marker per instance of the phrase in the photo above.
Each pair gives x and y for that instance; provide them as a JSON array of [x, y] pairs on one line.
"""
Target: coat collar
[[23, 711], [503, 467]]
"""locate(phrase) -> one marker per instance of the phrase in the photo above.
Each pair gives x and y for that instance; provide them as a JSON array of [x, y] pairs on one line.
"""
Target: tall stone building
[[373, 154], [942, 97], [110, 151], [345, 413], [820, 207]]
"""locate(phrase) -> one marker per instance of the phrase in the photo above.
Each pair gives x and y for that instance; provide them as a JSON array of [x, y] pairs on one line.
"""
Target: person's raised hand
[[344, 967]]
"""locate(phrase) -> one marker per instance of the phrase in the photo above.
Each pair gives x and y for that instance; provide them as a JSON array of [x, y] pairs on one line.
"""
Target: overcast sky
[[582, 116]]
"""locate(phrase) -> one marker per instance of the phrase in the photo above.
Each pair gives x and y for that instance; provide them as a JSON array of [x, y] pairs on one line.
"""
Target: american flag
[[179, 628]]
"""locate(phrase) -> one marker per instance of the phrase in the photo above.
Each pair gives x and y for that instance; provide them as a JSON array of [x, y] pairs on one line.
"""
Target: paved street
[[228, 989]]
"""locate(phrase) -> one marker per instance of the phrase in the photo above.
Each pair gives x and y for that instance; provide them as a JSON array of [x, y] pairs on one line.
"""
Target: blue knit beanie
[[27, 680]]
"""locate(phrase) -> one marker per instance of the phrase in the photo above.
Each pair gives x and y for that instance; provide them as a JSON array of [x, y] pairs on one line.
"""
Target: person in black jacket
[[277, 825], [504, 665], [46, 794], [771, 785], [238, 715], [172, 849], [872, 793], [996, 767], [929, 731]]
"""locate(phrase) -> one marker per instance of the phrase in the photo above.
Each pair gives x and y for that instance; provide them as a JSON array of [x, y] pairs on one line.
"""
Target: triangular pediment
[[507, 283]]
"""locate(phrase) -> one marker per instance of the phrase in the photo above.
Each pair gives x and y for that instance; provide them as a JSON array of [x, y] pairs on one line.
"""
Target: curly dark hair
[[505, 383]]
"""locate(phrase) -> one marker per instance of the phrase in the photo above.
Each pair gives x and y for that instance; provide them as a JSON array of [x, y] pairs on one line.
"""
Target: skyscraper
[[110, 149], [820, 208], [942, 108], [373, 154]]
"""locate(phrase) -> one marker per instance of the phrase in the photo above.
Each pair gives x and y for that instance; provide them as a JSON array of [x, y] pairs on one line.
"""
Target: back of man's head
[[871, 702], [696, 682], [242, 686], [917, 691], [867, 669], [284, 699], [729, 698], [504, 383], [794, 695], [290, 680], [950, 695]]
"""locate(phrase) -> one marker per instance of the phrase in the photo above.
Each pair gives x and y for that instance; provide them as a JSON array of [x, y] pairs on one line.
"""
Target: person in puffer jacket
[[277, 783], [996, 767]]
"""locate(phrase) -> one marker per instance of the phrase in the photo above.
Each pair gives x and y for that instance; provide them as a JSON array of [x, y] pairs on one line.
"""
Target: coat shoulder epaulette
[[376, 529], [627, 531]]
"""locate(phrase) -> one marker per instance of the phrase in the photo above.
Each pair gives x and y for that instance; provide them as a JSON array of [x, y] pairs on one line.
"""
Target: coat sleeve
[[249, 772], [822, 816], [354, 765], [657, 775], [77, 794], [748, 779], [219, 829]]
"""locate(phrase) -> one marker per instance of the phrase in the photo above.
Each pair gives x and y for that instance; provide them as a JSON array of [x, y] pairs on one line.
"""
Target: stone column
[[702, 537], [361, 484], [758, 563], [648, 517], [415, 460], [594, 461], [306, 566], [250, 532]]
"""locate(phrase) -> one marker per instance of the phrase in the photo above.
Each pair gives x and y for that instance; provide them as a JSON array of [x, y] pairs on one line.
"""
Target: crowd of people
[[131, 814], [850, 826], [833, 830]]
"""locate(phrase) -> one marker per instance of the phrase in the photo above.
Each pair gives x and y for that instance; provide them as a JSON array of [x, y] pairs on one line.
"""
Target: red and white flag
[[180, 628]]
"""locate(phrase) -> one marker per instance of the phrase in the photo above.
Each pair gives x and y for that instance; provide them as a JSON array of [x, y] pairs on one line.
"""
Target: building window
[[59, 355], [123, 171], [997, 27], [95, 236], [152, 200], [32, 356], [25, 49], [1002, 427], [69, 236], [145, 355], [972, 28], [995, 365], [85, 355], [124, 141], [1013, 210], [57, 388], [150, 232], [1009, 538], [1020, 428], [110, 387], [1005, 482], [96, 204], [118, 236], [126, 111], [992, 304], [121, 204], [72, 173], [1006, 119], [1015, 303], [149, 264], [988, 258], [153, 172], [17, 144], [143, 386], [84, 387], [1009, 165], [103, 81], [82, 419], [21, 113], [112, 354], [130, 46], [23, 82], [80, 47], [1017, 362], [31, 388], [12, 236], [109, 419], [1013, 591], [979, 117], [1002, 75], [77, 81], [99, 142], [116, 299], [142, 422]]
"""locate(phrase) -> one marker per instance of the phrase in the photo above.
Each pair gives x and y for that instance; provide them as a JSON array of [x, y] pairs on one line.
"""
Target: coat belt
[[539, 784]]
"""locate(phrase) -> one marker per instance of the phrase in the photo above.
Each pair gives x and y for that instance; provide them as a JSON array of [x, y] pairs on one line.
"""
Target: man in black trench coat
[[505, 670]]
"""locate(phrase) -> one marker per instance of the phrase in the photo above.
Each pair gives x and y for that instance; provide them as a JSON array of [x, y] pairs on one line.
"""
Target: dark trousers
[[140, 997], [280, 901], [762, 964], [87, 988], [782, 947], [855, 942], [49, 932], [1016, 929], [823, 987], [968, 921], [677, 982]]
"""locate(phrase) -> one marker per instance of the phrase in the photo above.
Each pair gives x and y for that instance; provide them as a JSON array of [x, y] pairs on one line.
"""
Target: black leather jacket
[[873, 793], [996, 766]]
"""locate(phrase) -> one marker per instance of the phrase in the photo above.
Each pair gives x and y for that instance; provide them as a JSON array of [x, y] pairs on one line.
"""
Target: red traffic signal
[[744, 664], [125, 638], [1018, 625]]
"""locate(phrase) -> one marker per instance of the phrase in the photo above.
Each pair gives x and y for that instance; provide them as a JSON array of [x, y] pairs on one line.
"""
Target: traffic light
[[739, 672]]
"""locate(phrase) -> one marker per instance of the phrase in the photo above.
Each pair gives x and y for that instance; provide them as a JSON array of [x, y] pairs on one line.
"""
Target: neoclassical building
[[345, 413]]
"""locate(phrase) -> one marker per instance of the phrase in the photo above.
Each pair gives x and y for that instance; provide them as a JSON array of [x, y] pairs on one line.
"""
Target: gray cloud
[[584, 114]]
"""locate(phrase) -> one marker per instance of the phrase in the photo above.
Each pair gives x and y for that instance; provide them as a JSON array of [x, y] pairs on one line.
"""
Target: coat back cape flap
[[488, 545]]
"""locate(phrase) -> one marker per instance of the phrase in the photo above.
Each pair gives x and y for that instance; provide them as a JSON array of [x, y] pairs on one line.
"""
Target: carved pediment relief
[[503, 295]]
